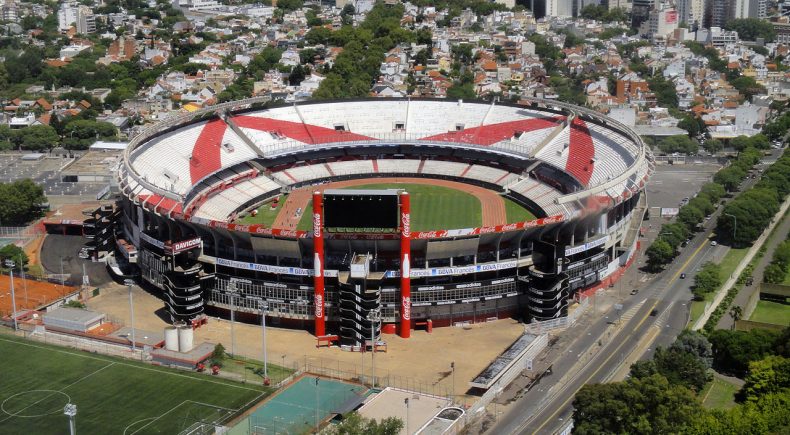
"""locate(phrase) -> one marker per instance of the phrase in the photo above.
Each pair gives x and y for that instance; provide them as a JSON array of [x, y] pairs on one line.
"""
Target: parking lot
[[671, 183], [45, 172]]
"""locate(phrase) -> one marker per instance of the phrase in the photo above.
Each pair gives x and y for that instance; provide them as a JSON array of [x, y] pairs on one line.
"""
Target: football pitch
[[112, 395], [437, 207]]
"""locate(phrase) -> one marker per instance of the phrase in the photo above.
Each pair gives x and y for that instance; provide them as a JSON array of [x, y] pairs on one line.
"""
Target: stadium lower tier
[[530, 273]]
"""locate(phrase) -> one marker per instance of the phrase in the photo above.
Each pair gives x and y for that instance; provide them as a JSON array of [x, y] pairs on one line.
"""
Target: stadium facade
[[185, 182]]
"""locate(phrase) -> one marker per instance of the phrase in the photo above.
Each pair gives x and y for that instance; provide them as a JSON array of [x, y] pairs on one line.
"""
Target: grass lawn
[[252, 369], [719, 394], [728, 264], [436, 207], [698, 307], [112, 395], [772, 312], [516, 213], [266, 214], [731, 260]]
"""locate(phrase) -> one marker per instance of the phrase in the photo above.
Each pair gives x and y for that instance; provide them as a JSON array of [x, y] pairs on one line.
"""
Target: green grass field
[[771, 312], [516, 213], [731, 260], [266, 214], [437, 207], [112, 395], [719, 394]]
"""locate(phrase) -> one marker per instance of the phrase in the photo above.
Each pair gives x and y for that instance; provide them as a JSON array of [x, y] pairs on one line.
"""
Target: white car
[[713, 243]]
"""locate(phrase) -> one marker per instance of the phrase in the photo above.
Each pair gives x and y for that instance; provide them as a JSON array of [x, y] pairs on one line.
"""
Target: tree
[[736, 313], [707, 280], [729, 178], [355, 424], [297, 75], [679, 144], [218, 355], [659, 253], [647, 405], [747, 86], [681, 367], [690, 216], [664, 90], [460, 91], [734, 350], [695, 343], [347, 14], [713, 191], [749, 29], [20, 202], [14, 253], [35, 138], [712, 145], [768, 375]]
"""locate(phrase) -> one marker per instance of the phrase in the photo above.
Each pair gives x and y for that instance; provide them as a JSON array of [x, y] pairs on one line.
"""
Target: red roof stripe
[[206, 158], [310, 134], [581, 152], [493, 133]]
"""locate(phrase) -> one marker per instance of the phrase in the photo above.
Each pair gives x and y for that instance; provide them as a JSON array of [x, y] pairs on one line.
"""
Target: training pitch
[[112, 395]]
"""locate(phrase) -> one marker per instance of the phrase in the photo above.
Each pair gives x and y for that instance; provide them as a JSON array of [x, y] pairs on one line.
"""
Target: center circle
[[45, 400]]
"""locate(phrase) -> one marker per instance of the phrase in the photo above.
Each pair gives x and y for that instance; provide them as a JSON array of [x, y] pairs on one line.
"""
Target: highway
[[604, 350], [549, 404]]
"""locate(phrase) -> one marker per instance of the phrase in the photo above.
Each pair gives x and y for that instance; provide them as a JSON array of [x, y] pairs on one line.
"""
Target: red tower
[[318, 264], [405, 266]]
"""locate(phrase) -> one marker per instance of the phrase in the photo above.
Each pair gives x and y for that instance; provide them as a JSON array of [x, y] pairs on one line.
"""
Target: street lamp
[[62, 280], [452, 367], [10, 265], [317, 421], [232, 292], [129, 283], [70, 410], [374, 316], [406, 402], [734, 226], [22, 274], [264, 306]]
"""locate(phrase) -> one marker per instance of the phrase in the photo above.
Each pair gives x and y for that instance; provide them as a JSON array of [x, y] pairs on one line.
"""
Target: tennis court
[[300, 407]]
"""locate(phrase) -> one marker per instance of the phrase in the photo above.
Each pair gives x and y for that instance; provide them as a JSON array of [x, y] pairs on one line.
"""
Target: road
[[653, 317], [550, 405]]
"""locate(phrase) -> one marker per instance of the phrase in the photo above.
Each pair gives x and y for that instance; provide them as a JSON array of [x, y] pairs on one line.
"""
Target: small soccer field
[[437, 207], [112, 395], [300, 407]]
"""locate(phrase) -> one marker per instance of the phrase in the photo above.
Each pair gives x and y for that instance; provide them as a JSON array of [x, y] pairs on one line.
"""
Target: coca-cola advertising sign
[[406, 307], [319, 306], [405, 219], [316, 225]]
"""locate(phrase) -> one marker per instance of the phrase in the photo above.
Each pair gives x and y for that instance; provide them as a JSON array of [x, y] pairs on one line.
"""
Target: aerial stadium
[[377, 215]]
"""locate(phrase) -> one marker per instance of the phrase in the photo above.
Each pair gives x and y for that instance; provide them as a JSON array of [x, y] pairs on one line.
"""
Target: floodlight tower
[[10, 265], [70, 410]]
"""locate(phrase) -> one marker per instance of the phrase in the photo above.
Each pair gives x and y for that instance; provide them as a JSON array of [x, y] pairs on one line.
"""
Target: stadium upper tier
[[174, 161]]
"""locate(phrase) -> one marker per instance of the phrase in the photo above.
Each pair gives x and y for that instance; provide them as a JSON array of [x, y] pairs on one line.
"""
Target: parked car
[[634, 291], [683, 275]]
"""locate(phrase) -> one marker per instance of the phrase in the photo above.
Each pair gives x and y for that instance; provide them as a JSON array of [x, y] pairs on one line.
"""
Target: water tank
[[185, 336], [171, 338]]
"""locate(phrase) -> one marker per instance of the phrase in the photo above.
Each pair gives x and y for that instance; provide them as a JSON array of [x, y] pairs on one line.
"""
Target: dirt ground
[[29, 294], [493, 206], [420, 362]]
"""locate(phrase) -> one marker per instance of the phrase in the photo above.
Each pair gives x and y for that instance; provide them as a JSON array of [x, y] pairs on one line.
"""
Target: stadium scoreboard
[[361, 210]]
